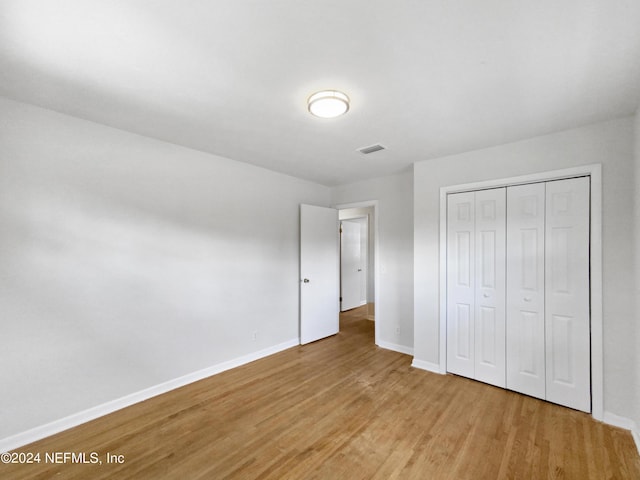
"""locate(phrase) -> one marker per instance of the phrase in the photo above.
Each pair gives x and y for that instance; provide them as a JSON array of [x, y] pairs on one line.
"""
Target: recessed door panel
[[530, 356], [568, 355], [487, 260], [463, 257], [529, 259], [560, 239], [462, 323], [561, 353], [525, 328], [488, 333]]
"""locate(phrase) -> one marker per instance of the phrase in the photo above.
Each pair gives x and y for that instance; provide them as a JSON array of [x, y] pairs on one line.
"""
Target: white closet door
[[460, 283], [568, 356], [525, 289], [490, 233]]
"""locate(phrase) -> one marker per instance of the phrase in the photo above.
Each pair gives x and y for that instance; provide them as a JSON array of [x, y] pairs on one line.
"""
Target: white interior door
[[460, 283], [350, 265], [319, 273], [490, 256], [568, 356], [525, 289], [364, 259]]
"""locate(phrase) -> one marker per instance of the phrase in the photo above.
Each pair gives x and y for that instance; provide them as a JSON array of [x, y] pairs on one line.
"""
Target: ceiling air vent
[[371, 149]]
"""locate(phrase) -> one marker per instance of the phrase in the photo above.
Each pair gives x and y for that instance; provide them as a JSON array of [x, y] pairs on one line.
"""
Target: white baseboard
[[428, 366], [618, 421], [57, 426], [626, 423], [635, 433], [396, 348]]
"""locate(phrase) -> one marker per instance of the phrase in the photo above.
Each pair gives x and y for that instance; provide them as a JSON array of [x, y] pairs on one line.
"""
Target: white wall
[[635, 365], [394, 308], [608, 143], [126, 262]]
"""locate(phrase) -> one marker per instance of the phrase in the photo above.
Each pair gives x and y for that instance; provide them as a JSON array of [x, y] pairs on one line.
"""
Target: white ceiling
[[426, 78]]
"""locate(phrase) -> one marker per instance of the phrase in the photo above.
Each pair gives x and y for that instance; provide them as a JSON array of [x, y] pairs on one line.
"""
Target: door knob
[[485, 295], [306, 280], [359, 269], [527, 299]]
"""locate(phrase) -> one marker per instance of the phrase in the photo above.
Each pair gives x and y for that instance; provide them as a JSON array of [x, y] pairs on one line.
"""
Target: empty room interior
[[291, 239]]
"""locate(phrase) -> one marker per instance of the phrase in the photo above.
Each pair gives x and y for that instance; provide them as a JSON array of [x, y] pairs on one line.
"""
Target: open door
[[319, 273]]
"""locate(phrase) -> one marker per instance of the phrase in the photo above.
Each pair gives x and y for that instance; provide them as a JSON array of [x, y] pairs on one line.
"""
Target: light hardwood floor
[[341, 408]]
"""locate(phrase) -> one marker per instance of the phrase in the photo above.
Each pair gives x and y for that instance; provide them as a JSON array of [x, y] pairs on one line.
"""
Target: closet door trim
[[593, 171]]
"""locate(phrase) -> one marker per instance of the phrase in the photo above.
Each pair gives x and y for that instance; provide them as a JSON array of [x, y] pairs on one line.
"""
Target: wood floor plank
[[341, 408]]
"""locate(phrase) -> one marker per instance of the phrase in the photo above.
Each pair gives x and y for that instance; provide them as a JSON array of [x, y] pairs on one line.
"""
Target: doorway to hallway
[[358, 260]]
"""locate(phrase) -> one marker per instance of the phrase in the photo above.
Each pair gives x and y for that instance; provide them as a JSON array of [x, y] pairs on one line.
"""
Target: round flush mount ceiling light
[[328, 104]]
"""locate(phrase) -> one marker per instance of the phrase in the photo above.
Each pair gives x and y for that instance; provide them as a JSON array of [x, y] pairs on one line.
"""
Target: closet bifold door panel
[[567, 317], [460, 283], [490, 286], [476, 285], [526, 289]]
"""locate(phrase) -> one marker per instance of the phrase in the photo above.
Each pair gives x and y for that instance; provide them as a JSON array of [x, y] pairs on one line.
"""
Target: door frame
[[594, 171], [376, 257]]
